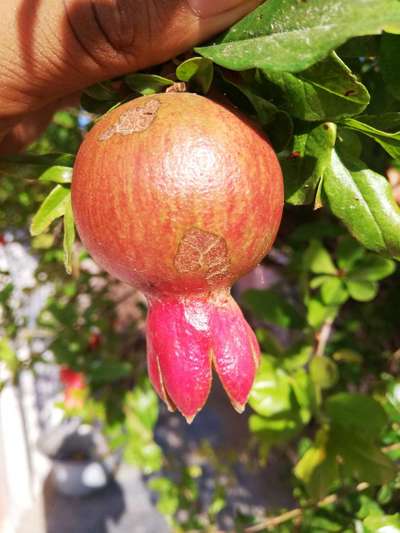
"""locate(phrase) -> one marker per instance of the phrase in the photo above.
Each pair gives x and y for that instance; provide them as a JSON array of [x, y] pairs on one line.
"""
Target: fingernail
[[210, 8]]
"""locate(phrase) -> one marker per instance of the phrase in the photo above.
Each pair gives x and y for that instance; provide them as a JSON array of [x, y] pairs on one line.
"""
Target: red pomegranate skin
[[180, 196]]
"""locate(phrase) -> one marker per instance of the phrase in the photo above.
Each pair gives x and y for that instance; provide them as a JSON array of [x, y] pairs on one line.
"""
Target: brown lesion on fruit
[[133, 120], [204, 253]]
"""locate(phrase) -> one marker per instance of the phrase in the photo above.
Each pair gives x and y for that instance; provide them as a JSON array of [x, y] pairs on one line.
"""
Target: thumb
[[53, 49], [212, 8]]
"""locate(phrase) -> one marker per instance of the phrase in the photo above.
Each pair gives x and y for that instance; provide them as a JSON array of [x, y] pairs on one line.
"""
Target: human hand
[[50, 51]]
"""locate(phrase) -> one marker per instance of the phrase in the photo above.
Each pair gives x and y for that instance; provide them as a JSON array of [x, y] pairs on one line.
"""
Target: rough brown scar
[[203, 252], [133, 121]]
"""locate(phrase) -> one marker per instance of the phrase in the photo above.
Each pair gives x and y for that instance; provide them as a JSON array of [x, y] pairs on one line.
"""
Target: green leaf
[[276, 123], [318, 260], [318, 312], [390, 63], [372, 268], [297, 356], [369, 506], [363, 201], [288, 35], [32, 166], [309, 155], [102, 91], [52, 207], [316, 282], [382, 524], [274, 428], [197, 70], [362, 291], [147, 83], [361, 457], [349, 253], [356, 412], [270, 394], [272, 307], [304, 393], [98, 106], [387, 122], [57, 174], [346, 355], [348, 142], [324, 372], [326, 91], [8, 355], [364, 124], [333, 291], [317, 469], [69, 235]]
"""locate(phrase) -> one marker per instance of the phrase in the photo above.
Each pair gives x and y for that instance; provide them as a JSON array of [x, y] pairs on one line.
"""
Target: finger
[[51, 49], [33, 125]]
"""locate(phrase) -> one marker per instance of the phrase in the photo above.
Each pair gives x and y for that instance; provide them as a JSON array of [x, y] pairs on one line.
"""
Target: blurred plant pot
[[82, 461]]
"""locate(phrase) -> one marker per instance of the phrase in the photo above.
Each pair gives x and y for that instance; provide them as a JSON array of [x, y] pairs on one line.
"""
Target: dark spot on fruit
[[204, 253], [350, 92], [133, 121]]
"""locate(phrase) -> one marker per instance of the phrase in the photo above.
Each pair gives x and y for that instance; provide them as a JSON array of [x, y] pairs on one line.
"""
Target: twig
[[323, 337], [270, 523], [274, 521], [391, 448]]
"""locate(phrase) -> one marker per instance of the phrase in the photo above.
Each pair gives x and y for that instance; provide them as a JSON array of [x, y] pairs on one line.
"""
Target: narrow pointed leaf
[[69, 235], [57, 174], [390, 141], [52, 207]]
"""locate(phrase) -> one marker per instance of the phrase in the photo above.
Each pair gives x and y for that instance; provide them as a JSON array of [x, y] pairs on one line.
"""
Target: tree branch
[[272, 522]]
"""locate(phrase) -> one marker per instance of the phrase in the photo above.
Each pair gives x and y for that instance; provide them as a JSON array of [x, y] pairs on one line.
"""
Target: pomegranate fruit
[[180, 196]]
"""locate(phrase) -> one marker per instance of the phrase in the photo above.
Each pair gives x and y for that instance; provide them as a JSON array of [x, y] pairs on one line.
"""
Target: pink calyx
[[189, 335]]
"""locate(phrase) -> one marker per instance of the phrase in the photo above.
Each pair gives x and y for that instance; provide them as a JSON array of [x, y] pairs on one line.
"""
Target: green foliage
[[363, 200], [326, 91], [322, 81], [53, 207], [147, 83], [198, 71], [291, 36]]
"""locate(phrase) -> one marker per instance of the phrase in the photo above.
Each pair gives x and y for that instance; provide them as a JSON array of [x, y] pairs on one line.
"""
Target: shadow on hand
[[94, 38]]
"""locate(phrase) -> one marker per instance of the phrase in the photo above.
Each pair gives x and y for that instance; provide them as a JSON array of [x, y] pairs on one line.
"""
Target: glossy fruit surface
[[180, 196], [176, 193]]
